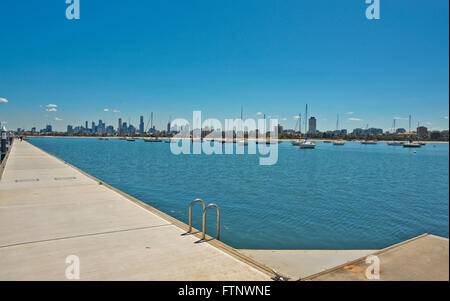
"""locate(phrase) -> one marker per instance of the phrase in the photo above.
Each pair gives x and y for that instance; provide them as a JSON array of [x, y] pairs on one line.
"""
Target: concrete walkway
[[50, 210], [298, 264], [423, 258]]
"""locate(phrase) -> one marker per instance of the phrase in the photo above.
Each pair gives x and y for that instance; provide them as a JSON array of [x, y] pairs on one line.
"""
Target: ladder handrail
[[190, 212], [204, 220]]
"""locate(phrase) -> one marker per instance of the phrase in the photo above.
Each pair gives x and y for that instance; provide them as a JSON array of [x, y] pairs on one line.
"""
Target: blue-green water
[[347, 197]]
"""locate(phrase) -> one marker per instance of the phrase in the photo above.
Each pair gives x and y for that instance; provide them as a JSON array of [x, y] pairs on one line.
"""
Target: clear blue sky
[[271, 56]]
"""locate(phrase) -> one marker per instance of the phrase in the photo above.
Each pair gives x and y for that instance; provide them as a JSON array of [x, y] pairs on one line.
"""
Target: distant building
[[279, 129], [400, 131], [141, 124], [168, 127], [110, 129], [70, 129], [374, 131], [48, 128], [119, 126], [358, 131], [422, 131], [131, 129], [312, 125]]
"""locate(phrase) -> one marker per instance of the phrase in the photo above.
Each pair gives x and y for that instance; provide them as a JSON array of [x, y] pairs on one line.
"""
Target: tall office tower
[[151, 122], [168, 127], [312, 125], [141, 124], [86, 125], [119, 126], [124, 127]]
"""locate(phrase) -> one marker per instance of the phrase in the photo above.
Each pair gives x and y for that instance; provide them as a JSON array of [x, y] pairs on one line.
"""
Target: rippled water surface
[[347, 197]]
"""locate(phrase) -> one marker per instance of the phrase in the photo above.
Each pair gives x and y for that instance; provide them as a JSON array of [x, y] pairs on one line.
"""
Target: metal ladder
[[205, 209]]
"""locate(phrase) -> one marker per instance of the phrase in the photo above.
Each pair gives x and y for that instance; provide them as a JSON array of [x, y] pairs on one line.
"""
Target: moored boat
[[412, 144], [152, 140], [307, 144], [395, 143], [339, 142]]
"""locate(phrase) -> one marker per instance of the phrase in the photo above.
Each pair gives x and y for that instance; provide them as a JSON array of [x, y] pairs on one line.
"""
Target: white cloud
[[51, 106], [58, 119], [259, 113], [116, 111], [446, 117], [51, 110], [106, 110], [354, 119], [428, 123], [400, 118], [350, 113], [4, 100], [297, 117], [283, 119]]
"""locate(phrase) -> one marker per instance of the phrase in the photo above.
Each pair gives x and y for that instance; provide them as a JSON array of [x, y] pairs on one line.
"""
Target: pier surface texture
[[50, 210]]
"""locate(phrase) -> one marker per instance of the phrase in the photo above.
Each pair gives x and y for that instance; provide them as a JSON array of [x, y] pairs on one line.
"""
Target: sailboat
[[338, 142], [411, 144], [307, 144], [394, 143]]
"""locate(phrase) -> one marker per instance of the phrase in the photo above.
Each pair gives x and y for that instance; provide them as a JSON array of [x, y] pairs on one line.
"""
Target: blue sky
[[173, 57]]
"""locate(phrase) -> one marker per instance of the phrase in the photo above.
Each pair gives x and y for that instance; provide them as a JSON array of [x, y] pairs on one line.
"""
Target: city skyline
[[267, 56], [306, 126]]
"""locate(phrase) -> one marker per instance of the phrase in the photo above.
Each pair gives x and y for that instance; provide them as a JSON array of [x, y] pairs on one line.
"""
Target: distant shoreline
[[312, 139]]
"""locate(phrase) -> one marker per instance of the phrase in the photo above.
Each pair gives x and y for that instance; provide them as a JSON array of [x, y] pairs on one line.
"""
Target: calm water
[[348, 197]]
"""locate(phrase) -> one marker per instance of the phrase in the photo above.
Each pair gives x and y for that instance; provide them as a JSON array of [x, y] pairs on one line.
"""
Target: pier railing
[[4, 158]]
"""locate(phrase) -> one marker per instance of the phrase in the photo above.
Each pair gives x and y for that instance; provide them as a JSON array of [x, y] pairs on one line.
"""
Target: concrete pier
[[49, 210], [423, 258]]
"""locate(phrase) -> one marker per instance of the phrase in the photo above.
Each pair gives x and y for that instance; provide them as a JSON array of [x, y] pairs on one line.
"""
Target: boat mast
[[409, 130], [306, 121]]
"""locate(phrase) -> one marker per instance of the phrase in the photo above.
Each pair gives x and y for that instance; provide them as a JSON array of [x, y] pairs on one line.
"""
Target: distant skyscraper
[[168, 127], [141, 124], [119, 126], [422, 131], [86, 125], [312, 125]]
